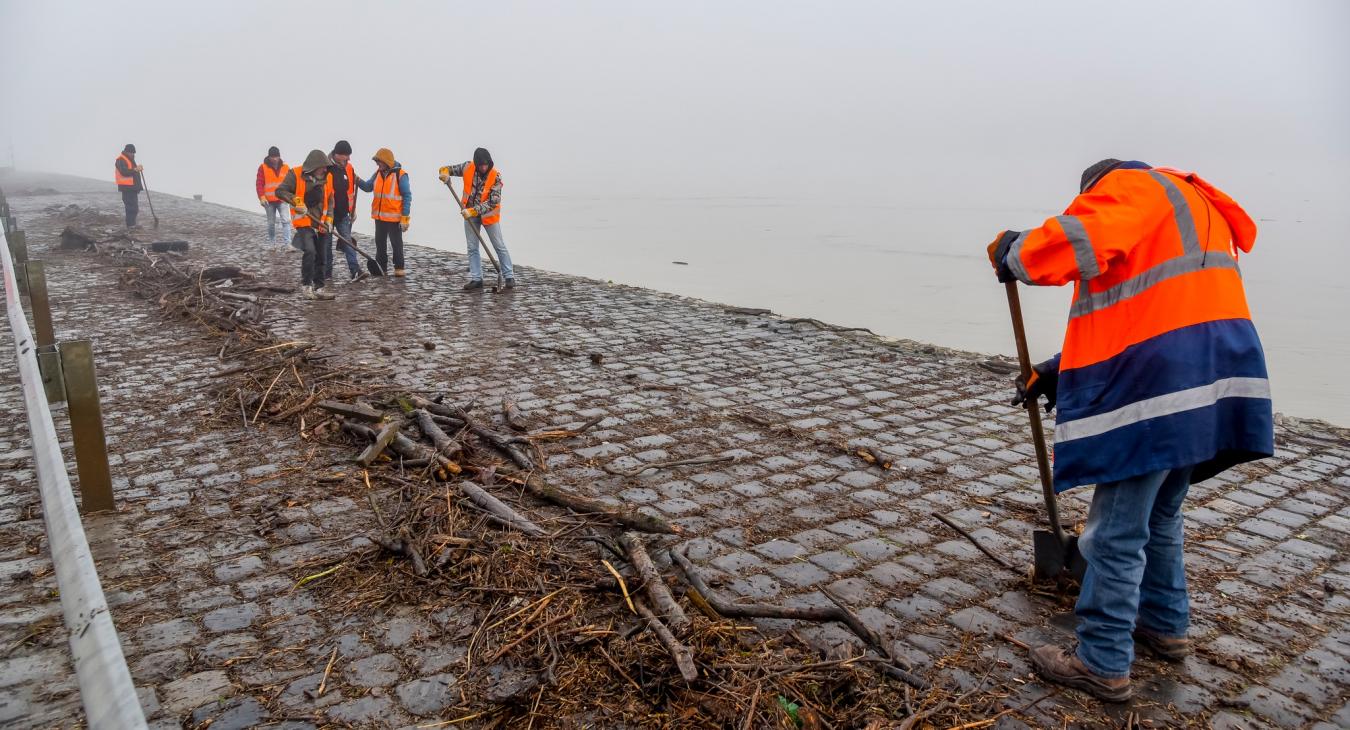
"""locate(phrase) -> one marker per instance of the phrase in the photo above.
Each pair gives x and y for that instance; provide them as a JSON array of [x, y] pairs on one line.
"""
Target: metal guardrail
[[106, 689]]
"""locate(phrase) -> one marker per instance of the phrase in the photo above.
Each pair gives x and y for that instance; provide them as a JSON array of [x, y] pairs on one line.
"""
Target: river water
[[910, 272]]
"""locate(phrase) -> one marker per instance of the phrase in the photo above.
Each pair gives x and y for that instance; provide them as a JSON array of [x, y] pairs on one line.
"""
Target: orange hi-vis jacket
[[492, 216], [351, 191], [387, 201], [118, 177], [271, 179], [1161, 367], [300, 220]]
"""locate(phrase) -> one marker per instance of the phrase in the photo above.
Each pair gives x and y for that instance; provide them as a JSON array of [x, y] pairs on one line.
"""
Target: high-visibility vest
[[302, 220], [1161, 367], [387, 201], [351, 191], [493, 215], [271, 179], [127, 179]]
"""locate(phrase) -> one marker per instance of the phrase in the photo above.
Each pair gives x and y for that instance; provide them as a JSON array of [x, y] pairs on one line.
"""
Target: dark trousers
[[131, 200], [390, 232], [312, 260]]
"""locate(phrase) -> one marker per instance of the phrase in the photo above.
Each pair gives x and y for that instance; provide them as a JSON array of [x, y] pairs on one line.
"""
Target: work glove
[[1044, 381], [445, 174], [469, 213], [299, 206], [998, 256], [140, 168], [403, 224], [262, 200]]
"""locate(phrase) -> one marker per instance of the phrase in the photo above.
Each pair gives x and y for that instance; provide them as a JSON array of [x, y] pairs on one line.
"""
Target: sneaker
[[1058, 665], [1167, 648], [307, 292], [324, 294], [510, 283], [400, 272], [473, 284], [359, 276]]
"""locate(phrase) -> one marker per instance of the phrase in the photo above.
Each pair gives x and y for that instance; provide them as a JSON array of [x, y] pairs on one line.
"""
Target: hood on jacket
[[482, 159], [1241, 224], [385, 155], [316, 160]]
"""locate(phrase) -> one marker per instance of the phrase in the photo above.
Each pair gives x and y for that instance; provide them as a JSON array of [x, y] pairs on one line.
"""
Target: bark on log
[[625, 515], [358, 411], [448, 447], [381, 442], [653, 585], [501, 442], [511, 414], [684, 659], [492, 505]]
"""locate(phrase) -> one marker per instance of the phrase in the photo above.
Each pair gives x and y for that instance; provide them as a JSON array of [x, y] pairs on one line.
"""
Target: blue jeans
[[1135, 573], [494, 232], [277, 210], [344, 228]]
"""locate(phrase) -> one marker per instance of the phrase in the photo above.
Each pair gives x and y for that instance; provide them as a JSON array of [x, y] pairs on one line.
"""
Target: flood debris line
[[569, 617]]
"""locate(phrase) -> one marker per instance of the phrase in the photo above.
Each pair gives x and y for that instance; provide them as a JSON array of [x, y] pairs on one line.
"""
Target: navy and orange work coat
[[1161, 366]]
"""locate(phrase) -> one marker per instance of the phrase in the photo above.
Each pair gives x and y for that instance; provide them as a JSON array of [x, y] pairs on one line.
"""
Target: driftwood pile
[[576, 610]]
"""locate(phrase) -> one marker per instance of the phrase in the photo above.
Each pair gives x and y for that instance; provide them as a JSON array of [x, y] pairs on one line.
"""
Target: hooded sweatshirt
[[404, 188], [316, 172]]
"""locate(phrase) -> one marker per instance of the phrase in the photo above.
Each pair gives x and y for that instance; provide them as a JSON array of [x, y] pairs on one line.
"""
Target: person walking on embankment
[[309, 188], [344, 210], [127, 175], [391, 207], [1161, 383], [481, 196], [270, 174]]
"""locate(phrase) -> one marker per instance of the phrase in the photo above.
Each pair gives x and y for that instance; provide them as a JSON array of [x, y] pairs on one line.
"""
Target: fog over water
[[847, 161]]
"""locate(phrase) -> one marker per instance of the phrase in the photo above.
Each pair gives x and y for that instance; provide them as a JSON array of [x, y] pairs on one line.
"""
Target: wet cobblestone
[[202, 592]]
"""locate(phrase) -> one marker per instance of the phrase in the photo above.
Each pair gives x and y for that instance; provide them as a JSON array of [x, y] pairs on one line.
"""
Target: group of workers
[[321, 194], [1161, 382], [314, 205]]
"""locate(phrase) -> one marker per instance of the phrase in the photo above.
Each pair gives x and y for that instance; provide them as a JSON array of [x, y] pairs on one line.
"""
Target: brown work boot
[[400, 272], [1058, 665], [1167, 648]]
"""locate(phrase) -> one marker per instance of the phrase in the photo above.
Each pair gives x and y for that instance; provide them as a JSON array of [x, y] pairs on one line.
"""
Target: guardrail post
[[86, 426], [43, 333], [49, 367], [18, 250]]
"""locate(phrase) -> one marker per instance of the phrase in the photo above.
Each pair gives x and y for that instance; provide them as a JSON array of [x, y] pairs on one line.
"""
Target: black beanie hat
[[1095, 172], [343, 147], [273, 152], [130, 149], [481, 158]]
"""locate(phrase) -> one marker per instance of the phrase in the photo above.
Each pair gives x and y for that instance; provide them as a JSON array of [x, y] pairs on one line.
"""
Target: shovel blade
[[1056, 559]]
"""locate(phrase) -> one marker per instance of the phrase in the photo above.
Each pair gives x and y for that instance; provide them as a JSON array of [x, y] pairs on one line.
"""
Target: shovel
[[488, 249], [148, 201], [1056, 552], [344, 241]]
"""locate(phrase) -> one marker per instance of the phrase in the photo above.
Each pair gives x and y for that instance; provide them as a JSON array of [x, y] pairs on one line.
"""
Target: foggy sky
[[941, 102]]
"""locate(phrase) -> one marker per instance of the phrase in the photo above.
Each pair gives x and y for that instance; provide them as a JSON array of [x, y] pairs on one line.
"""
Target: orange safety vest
[[302, 221], [124, 180], [1162, 367], [387, 203], [271, 180], [351, 191], [494, 215]]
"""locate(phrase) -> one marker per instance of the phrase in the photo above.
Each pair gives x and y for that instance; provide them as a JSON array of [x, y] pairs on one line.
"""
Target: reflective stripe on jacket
[[271, 179], [300, 220], [492, 216], [1162, 367], [387, 198], [127, 179]]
